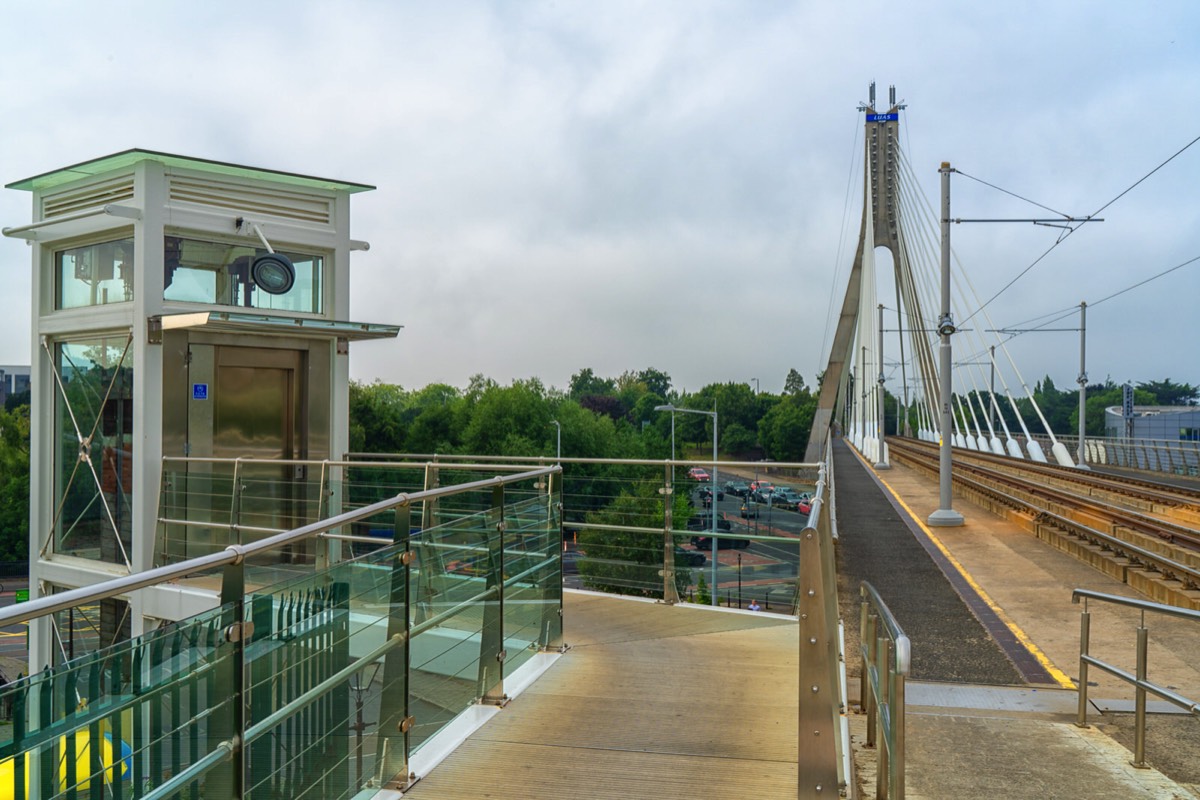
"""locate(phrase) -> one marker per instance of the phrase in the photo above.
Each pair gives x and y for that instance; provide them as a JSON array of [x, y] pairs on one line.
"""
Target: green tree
[[1168, 393], [793, 384], [627, 562], [784, 430], [656, 381], [377, 422], [14, 484], [585, 383], [508, 419]]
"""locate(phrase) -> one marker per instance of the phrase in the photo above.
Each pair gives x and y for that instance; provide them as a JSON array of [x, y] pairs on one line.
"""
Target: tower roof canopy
[[127, 158]]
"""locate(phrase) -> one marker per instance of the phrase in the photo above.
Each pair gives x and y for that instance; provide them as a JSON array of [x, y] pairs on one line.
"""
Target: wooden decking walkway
[[651, 701]]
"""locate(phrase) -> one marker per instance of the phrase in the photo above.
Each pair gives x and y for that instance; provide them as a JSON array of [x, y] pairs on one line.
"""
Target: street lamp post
[[713, 478], [756, 389], [558, 451]]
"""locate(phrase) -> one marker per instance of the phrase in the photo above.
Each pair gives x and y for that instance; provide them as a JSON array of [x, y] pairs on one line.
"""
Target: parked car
[[690, 558], [723, 543], [759, 485], [706, 492], [804, 507], [737, 488], [764, 494], [697, 474], [787, 498], [704, 522]]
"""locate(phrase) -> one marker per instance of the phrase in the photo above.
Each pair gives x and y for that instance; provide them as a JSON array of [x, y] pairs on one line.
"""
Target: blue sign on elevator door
[[199, 391]]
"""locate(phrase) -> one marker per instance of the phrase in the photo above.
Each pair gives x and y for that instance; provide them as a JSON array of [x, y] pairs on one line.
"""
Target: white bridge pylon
[[899, 217]]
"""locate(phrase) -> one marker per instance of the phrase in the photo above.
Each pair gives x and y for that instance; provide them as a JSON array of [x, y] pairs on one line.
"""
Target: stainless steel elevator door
[[253, 412]]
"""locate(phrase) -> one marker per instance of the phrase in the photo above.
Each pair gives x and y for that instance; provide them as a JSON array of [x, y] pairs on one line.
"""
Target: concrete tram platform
[[966, 739]]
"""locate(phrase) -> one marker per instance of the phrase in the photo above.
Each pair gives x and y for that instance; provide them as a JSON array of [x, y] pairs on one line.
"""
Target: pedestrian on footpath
[[754, 606]]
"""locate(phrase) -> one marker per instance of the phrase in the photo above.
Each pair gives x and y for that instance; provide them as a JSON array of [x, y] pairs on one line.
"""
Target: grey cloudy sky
[[622, 185]]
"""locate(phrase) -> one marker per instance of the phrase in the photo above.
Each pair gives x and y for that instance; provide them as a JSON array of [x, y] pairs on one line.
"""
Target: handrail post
[[862, 632], [395, 720], [670, 587], [883, 652], [552, 595], [1139, 701], [235, 503], [1085, 627], [491, 638], [429, 507], [235, 631], [330, 553], [898, 701], [872, 707], [817, 757]]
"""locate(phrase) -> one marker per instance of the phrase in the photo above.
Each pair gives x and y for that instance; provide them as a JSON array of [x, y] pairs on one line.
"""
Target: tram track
[[1171, 503], [1158, 556]]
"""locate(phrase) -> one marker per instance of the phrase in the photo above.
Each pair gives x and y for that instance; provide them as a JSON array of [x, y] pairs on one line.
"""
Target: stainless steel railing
[[824, 751], [235, 554], [886, 658], [1166, 456], [1138, 678], [230, 737]]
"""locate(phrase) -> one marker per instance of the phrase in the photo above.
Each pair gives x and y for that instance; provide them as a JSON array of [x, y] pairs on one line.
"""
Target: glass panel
[[94, 275], [94, 480], [218, 273], [531, 568], [205, 509], [131, 714], [447, 602], [305, 631]]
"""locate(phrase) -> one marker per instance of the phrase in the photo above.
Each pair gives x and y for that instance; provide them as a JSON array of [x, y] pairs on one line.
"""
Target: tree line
[[600, 417], [1059, 406]]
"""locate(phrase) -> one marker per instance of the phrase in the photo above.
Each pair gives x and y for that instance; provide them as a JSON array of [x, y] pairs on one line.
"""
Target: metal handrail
[[1138, 680], [886, 661], [237, 553], [326, 462], [822, 759], [448, 457]]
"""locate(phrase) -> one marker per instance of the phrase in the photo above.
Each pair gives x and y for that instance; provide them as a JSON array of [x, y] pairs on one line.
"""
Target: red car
[[697, 474]]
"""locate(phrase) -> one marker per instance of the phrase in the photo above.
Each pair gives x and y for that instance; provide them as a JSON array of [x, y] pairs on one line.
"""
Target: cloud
[[633, 184]]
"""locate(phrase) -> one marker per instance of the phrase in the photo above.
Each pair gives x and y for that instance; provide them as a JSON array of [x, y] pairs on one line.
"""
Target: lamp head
[[273, 273]]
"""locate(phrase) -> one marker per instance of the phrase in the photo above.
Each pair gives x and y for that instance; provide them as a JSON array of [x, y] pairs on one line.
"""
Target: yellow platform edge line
[[1061, 677]]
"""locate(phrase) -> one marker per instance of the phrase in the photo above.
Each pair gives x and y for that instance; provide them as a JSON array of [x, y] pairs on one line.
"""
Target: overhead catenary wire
[[1014, 194], [1063, 237]]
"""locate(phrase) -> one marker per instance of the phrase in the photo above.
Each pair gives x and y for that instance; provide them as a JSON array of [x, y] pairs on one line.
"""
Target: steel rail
[[1115, 515], [1139, 555], [1136, 488]]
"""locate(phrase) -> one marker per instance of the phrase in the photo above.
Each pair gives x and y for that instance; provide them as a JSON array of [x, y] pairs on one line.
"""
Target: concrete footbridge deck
[[653, 701]]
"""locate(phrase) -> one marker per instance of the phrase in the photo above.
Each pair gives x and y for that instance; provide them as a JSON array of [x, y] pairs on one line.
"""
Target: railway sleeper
[[1059, 528], [1162, 587], [1157, 544]]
